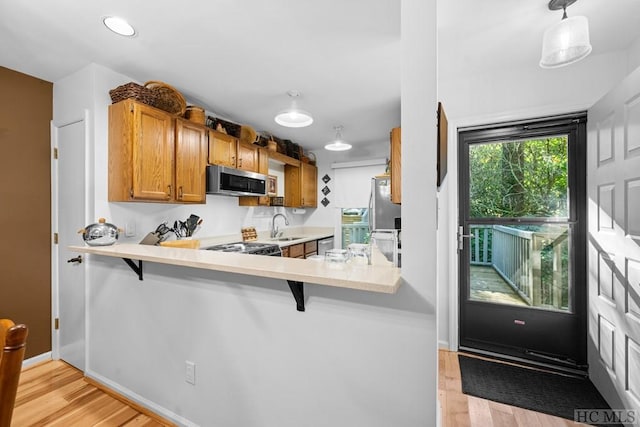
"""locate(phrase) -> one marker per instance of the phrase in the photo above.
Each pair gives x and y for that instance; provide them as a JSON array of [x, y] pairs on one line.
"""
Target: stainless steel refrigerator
[[384, 220], [382, 213]]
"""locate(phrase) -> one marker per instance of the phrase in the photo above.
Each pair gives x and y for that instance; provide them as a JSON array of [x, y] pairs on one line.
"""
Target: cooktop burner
[[248, 248]]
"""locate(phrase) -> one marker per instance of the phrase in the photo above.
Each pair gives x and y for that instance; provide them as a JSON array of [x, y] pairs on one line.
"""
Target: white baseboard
[[443, 345], [134, 397], [36, 359]]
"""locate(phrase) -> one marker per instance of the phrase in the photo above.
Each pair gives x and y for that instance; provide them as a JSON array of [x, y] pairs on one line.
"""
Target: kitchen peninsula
[[374, 278]]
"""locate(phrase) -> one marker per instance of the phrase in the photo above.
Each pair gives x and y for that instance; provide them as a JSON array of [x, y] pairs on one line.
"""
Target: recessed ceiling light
[[119, 26]]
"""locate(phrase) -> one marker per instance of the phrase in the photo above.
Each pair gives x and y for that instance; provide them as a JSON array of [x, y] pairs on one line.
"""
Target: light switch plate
[[130, 229], [190, 372]]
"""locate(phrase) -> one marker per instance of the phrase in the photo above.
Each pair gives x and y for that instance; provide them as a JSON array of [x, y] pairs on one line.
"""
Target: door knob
[[77, 259], [462, 236]]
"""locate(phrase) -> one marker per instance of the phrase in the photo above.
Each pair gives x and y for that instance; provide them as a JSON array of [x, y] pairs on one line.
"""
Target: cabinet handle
[[169, 188], [180, 192], [240, 162]]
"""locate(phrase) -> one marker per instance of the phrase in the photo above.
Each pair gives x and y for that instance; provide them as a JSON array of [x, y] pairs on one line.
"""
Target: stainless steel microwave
[[235, 182]]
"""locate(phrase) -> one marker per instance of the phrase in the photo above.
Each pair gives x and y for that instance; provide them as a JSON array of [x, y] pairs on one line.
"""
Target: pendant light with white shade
[[567, 41], [338, 143], [293, 117]]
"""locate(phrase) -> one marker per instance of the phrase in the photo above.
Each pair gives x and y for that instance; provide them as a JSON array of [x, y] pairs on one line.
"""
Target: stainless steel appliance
[[255, 248], [235, 182], [382, 213], [324, 245]]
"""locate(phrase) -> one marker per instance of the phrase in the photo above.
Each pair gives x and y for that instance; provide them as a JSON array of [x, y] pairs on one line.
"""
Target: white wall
[[419, 251], [497, 96], [330, 215], [353, 358], [633, 56]]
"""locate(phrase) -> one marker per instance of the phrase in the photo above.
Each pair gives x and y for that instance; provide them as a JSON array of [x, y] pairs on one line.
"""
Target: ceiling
[[239, 58]]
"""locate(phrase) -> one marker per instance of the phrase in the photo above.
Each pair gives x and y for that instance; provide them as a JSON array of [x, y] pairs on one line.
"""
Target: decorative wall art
[[272, 185], [442, 144], [325, 190]]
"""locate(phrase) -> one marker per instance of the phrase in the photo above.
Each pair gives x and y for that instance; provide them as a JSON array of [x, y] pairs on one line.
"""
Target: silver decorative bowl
[[100, 234]]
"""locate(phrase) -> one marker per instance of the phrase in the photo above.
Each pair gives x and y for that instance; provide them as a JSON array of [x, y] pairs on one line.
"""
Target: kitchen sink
[[286, 239]]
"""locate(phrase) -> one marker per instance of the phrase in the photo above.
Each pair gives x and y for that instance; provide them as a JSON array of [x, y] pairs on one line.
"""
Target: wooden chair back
[[12, 342]]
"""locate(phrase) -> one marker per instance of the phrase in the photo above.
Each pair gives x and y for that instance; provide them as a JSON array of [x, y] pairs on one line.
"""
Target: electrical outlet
[[190, 372]]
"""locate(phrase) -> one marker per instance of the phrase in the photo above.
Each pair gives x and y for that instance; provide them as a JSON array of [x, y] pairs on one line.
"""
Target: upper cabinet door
[[152, 149], [191, 162], [222, 149], [309, 183], [300, 186], [247, 157]]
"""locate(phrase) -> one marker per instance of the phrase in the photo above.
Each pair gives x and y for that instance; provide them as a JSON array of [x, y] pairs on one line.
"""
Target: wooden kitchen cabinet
[[248, 157], [227, 150], [141, 153], [191, 161], [396, 165], [296, 251], [223, 149], [309, 185], [301, 186], [154, 156], [310, 248], [301, 250], [263, 168]]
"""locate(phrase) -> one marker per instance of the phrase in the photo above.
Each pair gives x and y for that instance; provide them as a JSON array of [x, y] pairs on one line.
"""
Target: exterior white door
[[69, 204], [614, 244]]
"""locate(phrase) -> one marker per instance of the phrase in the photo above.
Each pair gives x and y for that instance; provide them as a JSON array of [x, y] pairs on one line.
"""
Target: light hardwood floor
[[460, 410], [56, 394]]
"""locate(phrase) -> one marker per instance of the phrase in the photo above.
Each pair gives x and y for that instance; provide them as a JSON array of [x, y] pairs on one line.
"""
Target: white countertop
[[303, 234], [374, 278]]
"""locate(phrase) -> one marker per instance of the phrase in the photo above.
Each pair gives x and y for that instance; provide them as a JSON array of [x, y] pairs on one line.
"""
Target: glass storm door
[[521, 241]]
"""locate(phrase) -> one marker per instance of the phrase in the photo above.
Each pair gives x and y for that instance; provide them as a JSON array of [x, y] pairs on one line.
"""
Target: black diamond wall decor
[[325, 202], [326, 190], [326, 178]]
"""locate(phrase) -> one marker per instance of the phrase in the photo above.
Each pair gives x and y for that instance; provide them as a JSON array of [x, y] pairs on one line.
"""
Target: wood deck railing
[[517, 256], [354, 233]]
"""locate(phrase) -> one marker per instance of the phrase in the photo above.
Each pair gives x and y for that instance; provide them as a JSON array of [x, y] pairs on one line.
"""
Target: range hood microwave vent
[[235, 182]]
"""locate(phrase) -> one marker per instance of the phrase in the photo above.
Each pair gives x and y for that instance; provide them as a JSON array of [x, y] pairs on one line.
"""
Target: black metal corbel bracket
[[297, 289], [136, 268]]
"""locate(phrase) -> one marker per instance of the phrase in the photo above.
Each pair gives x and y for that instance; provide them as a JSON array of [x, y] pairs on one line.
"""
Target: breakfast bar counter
[[373, 278]]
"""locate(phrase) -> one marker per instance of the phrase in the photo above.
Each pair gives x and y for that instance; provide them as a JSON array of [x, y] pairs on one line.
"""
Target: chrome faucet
[[274, 228]]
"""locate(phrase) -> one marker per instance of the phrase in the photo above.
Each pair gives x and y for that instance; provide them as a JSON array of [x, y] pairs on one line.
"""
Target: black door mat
[[545, 392]]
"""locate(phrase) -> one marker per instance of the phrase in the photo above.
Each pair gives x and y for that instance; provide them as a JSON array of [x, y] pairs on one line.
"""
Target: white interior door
[[69, 216], [614, 244]]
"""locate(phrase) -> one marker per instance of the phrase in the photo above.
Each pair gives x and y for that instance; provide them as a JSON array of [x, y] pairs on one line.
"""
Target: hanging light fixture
[[338, 144], [293, 117], [567, 41]]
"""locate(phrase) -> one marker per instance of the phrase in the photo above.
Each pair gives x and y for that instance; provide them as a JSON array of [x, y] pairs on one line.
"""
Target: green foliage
[[518, 179]]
